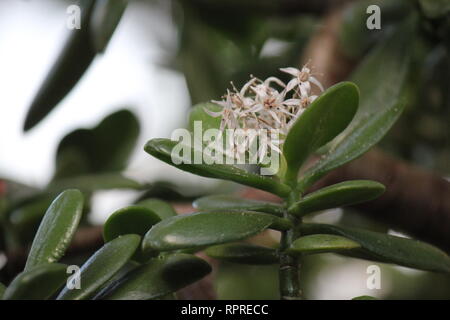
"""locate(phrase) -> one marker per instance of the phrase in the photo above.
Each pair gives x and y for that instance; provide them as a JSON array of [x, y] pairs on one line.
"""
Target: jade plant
[[223, 221], [150, 252], [319, 133]]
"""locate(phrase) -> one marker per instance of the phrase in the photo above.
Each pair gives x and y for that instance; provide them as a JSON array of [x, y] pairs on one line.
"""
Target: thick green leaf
[[198, 114], [245, 253], [228, 202], [93, 182], [39, 283], [162, 149], [202, 229], [74, 59], [355, 38], [322, 121], [106, 17], [321, 243], [25, 219], [387, 248], [381, 78], [159, 277], [364, 298], [338, 195], [102, 266], [56, 229], [129, 220], [104, 148], [160, 207]]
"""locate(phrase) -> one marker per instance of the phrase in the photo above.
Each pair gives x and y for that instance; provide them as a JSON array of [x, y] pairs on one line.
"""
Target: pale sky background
[[130, 73]]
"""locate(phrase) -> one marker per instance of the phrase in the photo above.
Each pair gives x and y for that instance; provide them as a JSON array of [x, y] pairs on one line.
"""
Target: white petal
[[274, 115], [274, 79], [212, 113], [246, 86], [292, 84], [316, 82], [304, 89], [292, 102], [291, 71]]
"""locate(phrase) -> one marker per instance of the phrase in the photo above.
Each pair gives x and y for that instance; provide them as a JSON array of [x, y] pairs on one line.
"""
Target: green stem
[[289, 265]]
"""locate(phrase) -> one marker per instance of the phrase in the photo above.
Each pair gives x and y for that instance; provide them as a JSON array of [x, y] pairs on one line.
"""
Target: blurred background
[[163, 56]]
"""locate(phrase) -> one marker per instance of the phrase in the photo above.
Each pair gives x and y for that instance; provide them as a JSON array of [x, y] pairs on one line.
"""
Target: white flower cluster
[[260, 105]]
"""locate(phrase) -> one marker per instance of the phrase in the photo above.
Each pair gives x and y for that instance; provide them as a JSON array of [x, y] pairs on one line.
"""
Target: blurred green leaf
[[25, 218], [387, 248], [323, 120], [160, 207], [354, 36], [162, 149], [38, 283], [159, 277], [201, 229], [102, 266], [129, 220], [321, 243], [104, 21], [228, 202], [56, 229], [2, 290], [72, 62], [364, 298], [245, 253], [338, 195], [435, 8], [381, 78], [198, 114], [105, 148], [93, 182]]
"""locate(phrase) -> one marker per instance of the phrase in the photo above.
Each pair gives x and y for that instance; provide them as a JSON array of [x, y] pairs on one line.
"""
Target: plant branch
[[289, 265]]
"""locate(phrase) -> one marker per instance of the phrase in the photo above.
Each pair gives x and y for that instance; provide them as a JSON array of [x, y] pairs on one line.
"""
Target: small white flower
[[259, 105], [302, 78]]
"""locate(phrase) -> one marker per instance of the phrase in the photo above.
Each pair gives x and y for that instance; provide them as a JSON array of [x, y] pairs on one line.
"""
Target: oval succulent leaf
[[56, 229], [215, 202], [93, 182], [160, 207], [102, 266], [74, 59], [322, 121], [205, 229], [129, 220], [159, 277], [245, 253], [102, 149], [322, 243], [162, 149], [364, 298], [338, 195], [388, 248], [39, 283], [104, 21], [381, 103]]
